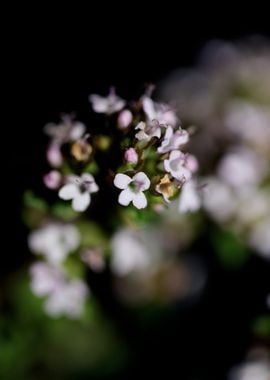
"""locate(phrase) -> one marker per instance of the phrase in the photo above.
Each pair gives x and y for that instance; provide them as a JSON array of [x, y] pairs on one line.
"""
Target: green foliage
[[261, 326]]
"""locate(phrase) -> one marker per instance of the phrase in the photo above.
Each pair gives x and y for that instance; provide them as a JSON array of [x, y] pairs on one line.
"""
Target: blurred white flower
[[260, 237], [148, 130], [79, 190], [54, 241], [268, 301], [132, 189], [241, 168], [189, 199], [67, 130], [175, 165], [173, 140], [109, 104], [257, 370], [129, 253], [63, 297], [158, 111]]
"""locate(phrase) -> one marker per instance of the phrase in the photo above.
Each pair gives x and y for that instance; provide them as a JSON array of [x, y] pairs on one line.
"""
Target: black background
[[55, 63]]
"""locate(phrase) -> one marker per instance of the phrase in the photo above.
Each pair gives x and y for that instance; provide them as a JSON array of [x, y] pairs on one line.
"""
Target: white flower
[[132, 189], [109, 104], [158, 111], [173, 140], [175, 165], [54, 241], [260, 237], [67, 130], [129, 252], [124, 119], [64, 297], [189, 199], [79, 189], [67, 299], [253, 370], [148, 130]]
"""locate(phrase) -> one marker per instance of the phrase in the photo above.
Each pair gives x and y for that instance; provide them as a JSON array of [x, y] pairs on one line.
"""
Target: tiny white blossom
[[54, 241], [79, 189], [173, 140], [67, 130], [148, 130], [189, 199], [109, 104], [132, 189], [45, 278], [175, 165], [158, 111]]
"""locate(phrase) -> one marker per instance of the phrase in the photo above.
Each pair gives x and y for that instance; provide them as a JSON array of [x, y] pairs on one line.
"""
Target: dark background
[[55, 64]]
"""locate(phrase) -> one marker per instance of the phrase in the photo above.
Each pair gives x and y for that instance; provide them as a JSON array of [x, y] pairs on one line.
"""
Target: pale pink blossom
[[189, 199], [52, 180], [173, 140], [66, 131], [131, 156], [108, 105], [124, 119], [158, 111], [148, 130], [54, 155], [175, 165]]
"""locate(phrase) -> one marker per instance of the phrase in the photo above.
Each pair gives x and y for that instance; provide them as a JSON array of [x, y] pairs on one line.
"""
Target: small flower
[[109, 105], [79, 189], [158, 111], [132, 189], [131, 156], [45, 278], [166, 188], [54, 155], [67, 130], [173, 140], [81, 150], [189, 199], [54, 241], [148, 130], [52, 180], [175, 165], [94, 259], [124, 119]]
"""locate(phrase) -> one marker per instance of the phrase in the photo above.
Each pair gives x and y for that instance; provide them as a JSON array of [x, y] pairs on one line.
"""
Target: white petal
[[148, 107], [125, 197], [140, 200], [87, 177], [122, 181], [77, 131], [189, 198], [175, 154], [141, 125], [99, 103], [142, 178], [81, 201], [93, 187], [68, 191]]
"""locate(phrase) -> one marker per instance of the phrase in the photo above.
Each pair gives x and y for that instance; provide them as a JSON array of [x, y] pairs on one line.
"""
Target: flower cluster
[[139, 149]]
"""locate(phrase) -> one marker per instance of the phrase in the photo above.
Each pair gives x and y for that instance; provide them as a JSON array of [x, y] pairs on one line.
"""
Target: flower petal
[[144, 181], [122, 181], [81, 201], [125, 197], [68, 191], [140, 200]]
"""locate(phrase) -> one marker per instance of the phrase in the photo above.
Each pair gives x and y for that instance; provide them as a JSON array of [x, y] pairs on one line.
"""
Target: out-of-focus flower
[[64, 297], [129, 253], [124, 119], [268, 301], [79, 190], [175, 165], [81, 149], [173, 140], [189, 199], [148, 130], [166, 188], [94, 259], [109, 104], [132, 189], [253, 370], [52, 180], [158, 111], [66, 131], [131, 156], [54, 155], [260, 237], [54, 241]]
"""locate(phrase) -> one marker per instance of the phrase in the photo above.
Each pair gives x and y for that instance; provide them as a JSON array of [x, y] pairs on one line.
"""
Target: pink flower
[[131, 156], [176, 166], [54, 155], [158, 111], [124, 119], [148, 130], [132, 189]]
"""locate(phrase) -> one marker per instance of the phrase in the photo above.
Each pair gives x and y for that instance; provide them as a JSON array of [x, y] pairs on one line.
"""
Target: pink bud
[[131, 156], [52, 180], [124, 119], [54, 155], [192, 163]]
